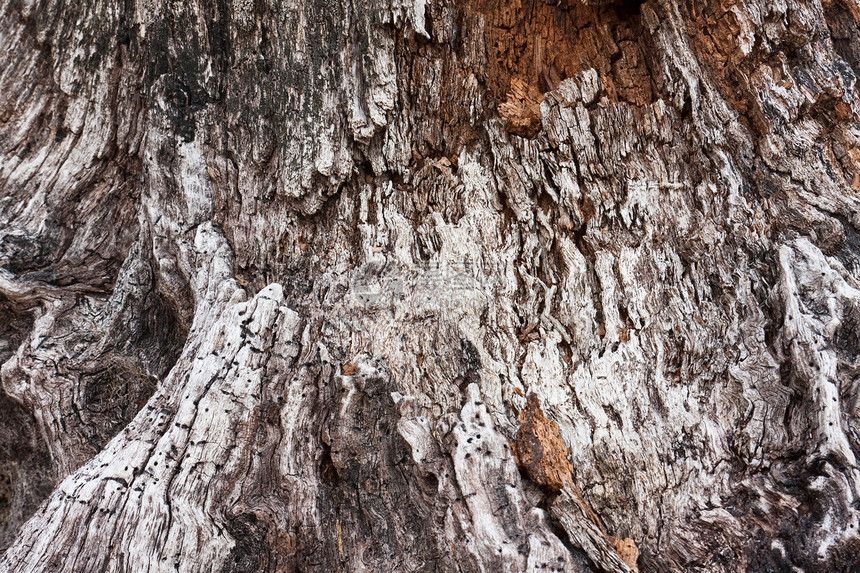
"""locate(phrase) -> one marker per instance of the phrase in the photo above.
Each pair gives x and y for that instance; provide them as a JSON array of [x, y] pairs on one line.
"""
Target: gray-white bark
[[429, 285]]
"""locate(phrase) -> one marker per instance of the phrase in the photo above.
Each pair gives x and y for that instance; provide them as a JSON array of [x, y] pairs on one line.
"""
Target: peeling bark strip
[[282, 281]]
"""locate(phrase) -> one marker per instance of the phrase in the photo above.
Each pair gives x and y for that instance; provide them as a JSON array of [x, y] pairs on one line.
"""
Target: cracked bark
[[279, 276]]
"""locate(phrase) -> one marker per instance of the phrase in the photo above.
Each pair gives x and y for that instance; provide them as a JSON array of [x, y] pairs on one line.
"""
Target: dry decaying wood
[[539, 449], [521, 111], [277, 277], [540, 452]]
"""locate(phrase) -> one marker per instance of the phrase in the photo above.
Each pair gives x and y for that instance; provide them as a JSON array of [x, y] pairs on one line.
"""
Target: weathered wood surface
[[285, 285]]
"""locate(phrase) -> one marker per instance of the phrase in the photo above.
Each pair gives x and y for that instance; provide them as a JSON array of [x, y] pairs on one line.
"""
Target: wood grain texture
[[281, 283]]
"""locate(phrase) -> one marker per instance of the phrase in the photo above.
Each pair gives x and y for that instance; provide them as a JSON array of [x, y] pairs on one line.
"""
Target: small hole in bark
[[433, 482], [328, 472]]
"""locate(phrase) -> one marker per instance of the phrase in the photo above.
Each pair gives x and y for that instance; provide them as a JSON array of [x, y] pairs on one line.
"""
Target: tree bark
[[424, 285]]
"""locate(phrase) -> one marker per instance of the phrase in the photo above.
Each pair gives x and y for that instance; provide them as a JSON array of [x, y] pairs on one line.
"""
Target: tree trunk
[[425, 285]]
